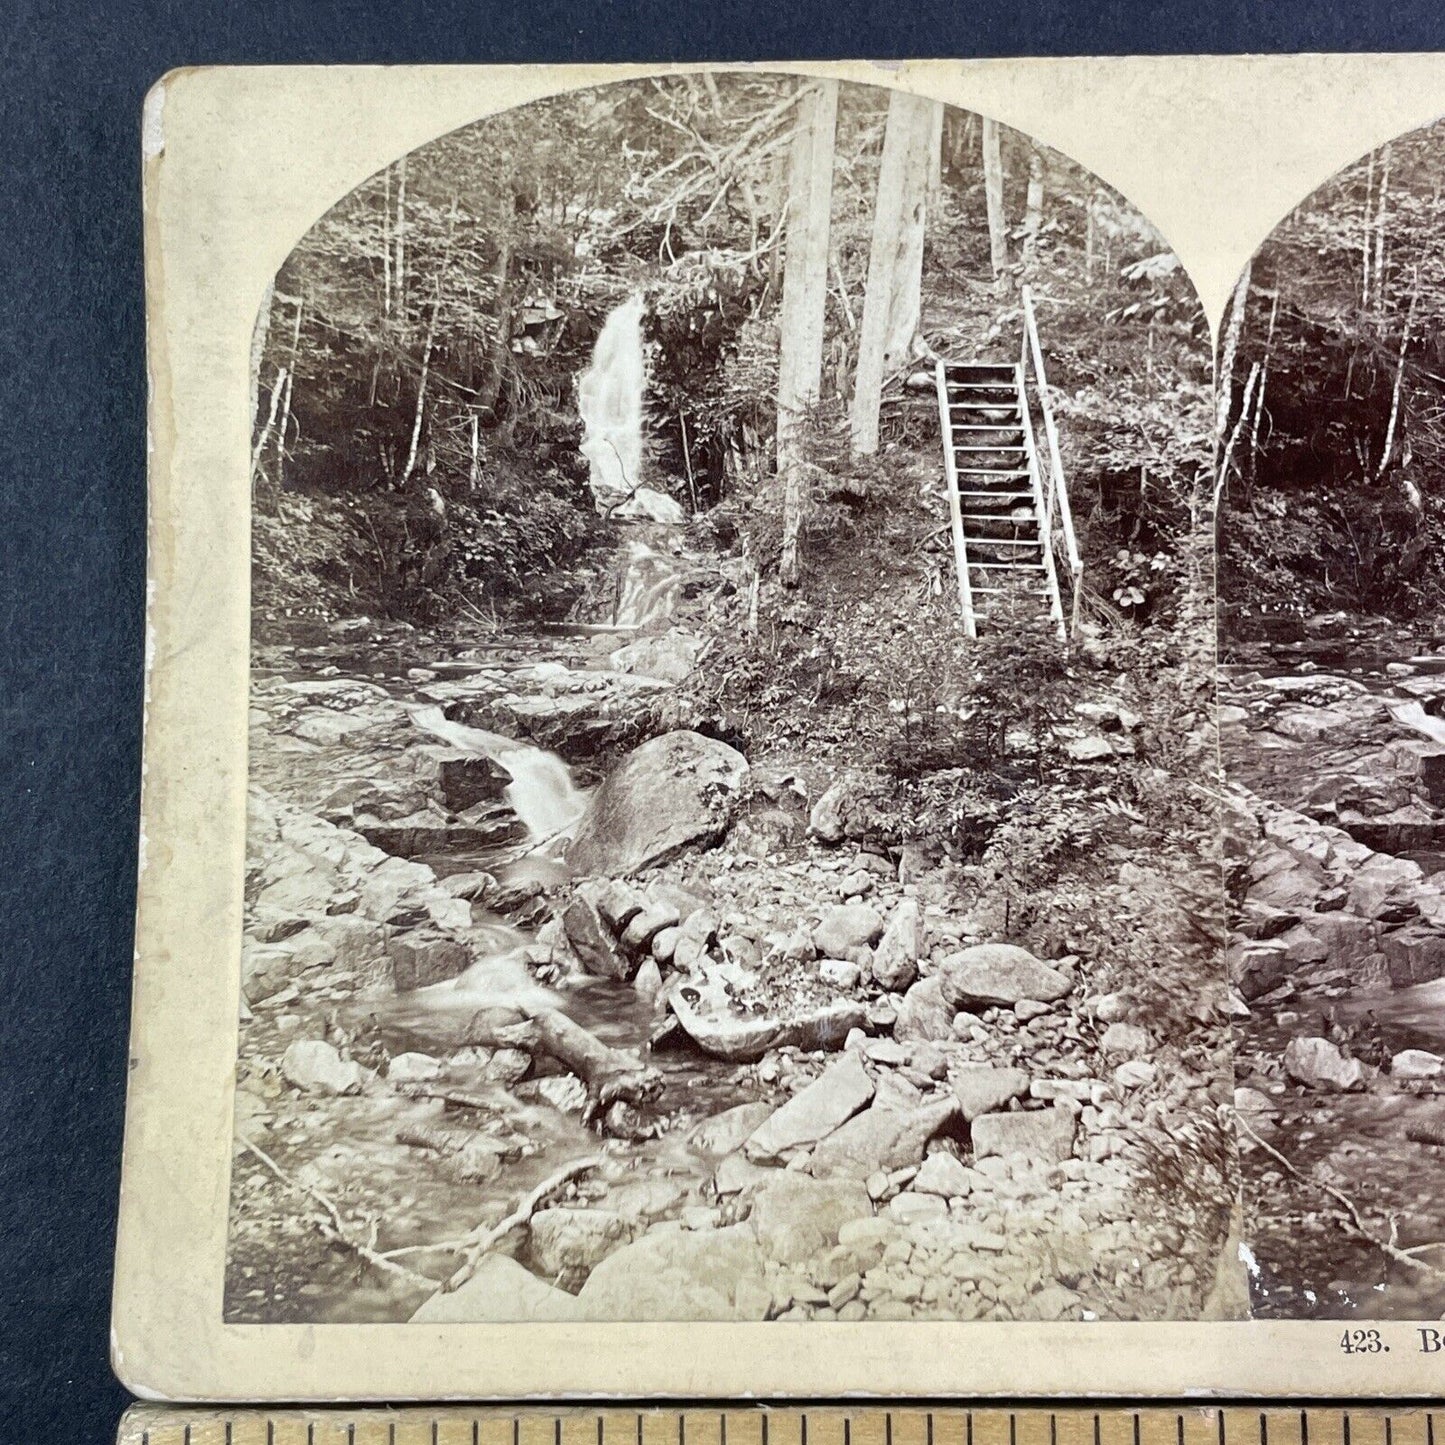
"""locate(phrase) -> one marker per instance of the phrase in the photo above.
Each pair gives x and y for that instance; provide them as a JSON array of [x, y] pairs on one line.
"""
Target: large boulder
[[567, 1244], [677, 1274], [315, 1067], [1038, 1134], [668, 658], [923, 1015], [895, 960], [722, 1133], [1318, 1064], [712, 1019], [846, 927], [982, 1089], [426, 956], [502, 1292], [834, 1097], [586, 931], [673, 792], [1417, 1064], [881, 1137], [794, 1217], [998, 973]]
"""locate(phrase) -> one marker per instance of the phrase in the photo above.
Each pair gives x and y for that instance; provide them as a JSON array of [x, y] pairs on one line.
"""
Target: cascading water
[[609, 399], [610, 403], [541, 792], [651, 582]]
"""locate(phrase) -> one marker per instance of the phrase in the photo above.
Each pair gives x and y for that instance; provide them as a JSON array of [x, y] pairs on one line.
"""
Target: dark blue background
[[72, 451]]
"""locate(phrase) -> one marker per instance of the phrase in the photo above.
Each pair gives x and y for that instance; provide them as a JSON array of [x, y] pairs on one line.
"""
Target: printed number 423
[[1363, 1342]]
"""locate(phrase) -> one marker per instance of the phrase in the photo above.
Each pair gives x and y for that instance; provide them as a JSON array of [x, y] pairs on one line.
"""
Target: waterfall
[[651, 582], [609, 398], [609, 401], [541, 792]]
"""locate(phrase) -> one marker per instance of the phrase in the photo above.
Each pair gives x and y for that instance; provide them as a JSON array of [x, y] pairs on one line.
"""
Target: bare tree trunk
[[993, 195], [1380, 232], [1033, 209], [1263, 378], [400, 266], [431, 332], [895, 261], [1225, 383], [259, 334], [490, 391], [386, 242], [1365, 243], [805, 292], [935, 156], [1091, 234], [1399, 383], [1221, 481], [285, 421]]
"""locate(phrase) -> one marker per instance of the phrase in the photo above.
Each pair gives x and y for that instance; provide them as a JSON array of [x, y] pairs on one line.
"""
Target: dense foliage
[[416, 442], [1335, 431]]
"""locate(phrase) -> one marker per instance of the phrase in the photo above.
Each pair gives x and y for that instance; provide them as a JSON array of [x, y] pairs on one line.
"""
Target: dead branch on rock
[[335, 1229], [1353, 1221], [609, 1074], [477, 1244]]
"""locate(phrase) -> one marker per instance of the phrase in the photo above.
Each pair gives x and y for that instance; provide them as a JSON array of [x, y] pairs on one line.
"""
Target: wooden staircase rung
[[1010, 566], [997, 496]]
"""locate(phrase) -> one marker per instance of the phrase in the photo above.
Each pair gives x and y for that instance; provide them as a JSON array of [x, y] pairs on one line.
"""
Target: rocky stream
[[553, 998], [1336, 755]]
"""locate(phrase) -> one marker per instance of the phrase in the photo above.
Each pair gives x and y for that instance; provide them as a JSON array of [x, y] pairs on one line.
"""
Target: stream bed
[[1342, 940]]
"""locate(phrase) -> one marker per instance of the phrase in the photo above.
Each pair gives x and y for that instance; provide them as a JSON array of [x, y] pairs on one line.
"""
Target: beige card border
[[238, 164]]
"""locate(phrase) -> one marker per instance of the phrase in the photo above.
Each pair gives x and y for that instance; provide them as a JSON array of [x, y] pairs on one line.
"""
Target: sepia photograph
[[1332, 690], [734, 826]]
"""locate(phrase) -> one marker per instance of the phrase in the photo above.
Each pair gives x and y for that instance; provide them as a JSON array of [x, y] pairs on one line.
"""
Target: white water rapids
[[541, 792]]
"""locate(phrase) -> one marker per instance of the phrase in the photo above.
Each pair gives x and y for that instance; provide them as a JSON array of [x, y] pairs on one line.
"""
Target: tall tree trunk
[[420, 413], [490, 391], [259, 335], [1263, 379], [1389, 446], [935, 155], [399, 268], [1225, 383], [386, 242], [1033, 209], [993, 195], [805, 292], [1380, 232], [1367, 234], [895, 261]]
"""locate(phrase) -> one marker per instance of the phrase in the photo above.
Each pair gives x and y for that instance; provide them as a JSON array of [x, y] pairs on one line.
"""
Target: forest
[[417, 438], [1333, 419], [665, 897], [1332, 683]]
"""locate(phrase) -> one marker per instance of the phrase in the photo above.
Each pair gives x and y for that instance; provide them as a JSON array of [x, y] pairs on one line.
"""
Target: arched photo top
[[423, 345], [1332, 394]]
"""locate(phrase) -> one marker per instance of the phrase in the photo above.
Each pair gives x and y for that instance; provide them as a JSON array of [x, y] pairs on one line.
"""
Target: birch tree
[[805, 293], [1033, 209], [993, 196], [895, 260]]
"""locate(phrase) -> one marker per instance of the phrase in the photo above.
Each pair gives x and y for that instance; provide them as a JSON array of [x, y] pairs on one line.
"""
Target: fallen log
[[467, 1155], [610, 1075]]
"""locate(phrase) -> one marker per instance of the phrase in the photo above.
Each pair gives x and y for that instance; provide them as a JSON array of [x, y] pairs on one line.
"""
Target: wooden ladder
[[1008, 504]]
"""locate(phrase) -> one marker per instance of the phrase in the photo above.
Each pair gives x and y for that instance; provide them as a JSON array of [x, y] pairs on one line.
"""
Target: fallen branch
[[611, 1075], [336, 1230], [1355, 1221], [478, 1243]]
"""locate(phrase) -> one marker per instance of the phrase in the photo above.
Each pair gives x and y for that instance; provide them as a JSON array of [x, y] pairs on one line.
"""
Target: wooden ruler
[[785, 1425]]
